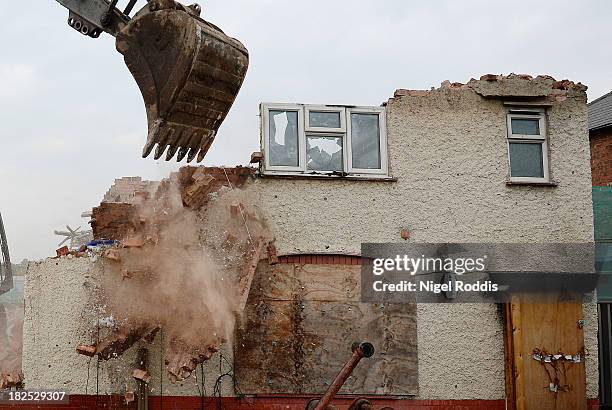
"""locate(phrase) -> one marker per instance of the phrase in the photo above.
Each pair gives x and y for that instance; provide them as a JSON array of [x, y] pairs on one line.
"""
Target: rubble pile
[[543, 87], [181, 264]]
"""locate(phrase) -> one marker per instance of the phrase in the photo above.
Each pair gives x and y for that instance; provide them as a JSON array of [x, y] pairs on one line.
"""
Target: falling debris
[[248, 272], [272, 254], [141, 375], [63, 251], [112, 254], [114, 220], [86, 350], [124, 338], [181, 262]]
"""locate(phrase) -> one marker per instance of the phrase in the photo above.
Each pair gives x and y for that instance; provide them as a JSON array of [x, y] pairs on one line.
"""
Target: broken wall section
[[156, 282], [62, 309], [170, 273], [127, 189]]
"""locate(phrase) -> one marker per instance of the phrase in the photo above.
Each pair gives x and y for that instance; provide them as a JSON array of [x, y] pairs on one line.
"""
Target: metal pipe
[[360, 350]]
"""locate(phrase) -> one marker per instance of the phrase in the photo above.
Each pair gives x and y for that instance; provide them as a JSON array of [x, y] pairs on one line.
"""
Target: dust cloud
[[177, 273]]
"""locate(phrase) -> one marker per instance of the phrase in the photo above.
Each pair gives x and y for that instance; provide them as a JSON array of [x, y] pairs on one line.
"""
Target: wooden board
[[298, 326], [553, 328]]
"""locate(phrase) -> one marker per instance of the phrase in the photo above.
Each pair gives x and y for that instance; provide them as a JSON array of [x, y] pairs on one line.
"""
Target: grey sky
[[73, 119]]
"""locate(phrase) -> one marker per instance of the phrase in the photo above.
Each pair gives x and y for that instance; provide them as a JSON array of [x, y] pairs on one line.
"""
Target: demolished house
[[242, 284]]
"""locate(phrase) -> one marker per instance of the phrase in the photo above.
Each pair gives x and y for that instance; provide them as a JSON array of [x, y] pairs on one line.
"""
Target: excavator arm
[[6, 269], [92, 17], [189, 72]]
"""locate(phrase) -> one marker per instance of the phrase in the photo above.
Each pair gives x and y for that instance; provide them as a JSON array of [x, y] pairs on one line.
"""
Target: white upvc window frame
[[325, 108], [331, 135], [304, 131], [265, 132], [542, 139], [382, 139]]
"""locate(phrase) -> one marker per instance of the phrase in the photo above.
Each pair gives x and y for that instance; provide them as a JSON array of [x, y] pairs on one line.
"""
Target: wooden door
[[545, 354]]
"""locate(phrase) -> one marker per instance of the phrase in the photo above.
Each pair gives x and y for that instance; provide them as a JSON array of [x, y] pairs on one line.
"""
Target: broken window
[[527, 147], [324, 140], [284, 141], [324, 153]]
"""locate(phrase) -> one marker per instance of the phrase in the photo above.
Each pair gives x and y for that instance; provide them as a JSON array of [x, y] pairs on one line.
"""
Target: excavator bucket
[[189, 73]]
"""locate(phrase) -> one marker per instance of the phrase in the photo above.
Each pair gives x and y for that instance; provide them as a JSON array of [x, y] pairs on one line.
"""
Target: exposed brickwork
[[601, 157], [128, 189], [114, 220], [82, 402], [261, 403], [198, 182], [195, 195], [321, 259], [238, 176]]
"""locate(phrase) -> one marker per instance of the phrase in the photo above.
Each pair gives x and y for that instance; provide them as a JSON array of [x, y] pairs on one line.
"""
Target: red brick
[[133, 242], [112, 253], [114, 220], [601, 158], [256, 157], [488, 77], [86, 350]]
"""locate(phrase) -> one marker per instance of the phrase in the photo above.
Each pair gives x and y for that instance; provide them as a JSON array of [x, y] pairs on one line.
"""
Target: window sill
[[293, 175], [532, 183]]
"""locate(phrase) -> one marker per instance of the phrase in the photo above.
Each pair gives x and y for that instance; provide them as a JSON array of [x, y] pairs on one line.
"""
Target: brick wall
[[601, 157], [81, 402], [124, 189], [261, 403], [321, 259], [114, 220]]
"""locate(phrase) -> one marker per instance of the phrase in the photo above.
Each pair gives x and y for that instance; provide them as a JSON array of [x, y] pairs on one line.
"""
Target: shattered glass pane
[[284, 144], [526, 160], [324, 119], [525, 126], [324, 153], [365, 141]]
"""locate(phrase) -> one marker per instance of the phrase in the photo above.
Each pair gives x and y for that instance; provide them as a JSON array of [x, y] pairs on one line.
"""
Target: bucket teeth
[[171, 151], [181, 154], [159, 151], [201, 155], [195, 141], [188, 100], [176, 143], [192, 154], [148, 148], [165, 135]]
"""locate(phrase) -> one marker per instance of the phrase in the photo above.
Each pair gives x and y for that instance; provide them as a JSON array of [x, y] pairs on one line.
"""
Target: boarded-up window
[[298, 327]]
